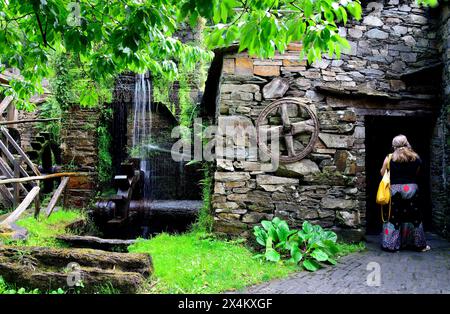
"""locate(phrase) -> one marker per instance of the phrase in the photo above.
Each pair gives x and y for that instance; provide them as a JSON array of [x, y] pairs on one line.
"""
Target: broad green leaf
[[330, 235], [269, 242], [311, 265], [276, 221], [331, 261], [319, 255], [330, 246], [344, 14], [283, 231], [272, 255], [307, 227], [266, 224], [296, 254]]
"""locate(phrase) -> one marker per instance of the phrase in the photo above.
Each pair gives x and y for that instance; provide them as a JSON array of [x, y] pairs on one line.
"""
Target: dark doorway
[[380, 130]]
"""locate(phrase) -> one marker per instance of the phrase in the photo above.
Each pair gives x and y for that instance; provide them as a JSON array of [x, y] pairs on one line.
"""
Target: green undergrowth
[[199, 263], [349, 248], [196, 263], [42, 232], [7, 288]]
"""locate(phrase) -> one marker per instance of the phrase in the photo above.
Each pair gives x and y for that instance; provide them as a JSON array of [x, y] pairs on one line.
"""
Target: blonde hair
[[403, 151]]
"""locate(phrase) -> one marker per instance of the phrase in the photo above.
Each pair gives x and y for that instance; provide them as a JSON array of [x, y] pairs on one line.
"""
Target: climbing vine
[[70, 83], [104, 147], [205, 220], [51, 109], [67, 83]]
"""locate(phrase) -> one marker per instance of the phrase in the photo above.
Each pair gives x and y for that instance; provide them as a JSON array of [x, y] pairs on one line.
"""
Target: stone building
[[394, 79]]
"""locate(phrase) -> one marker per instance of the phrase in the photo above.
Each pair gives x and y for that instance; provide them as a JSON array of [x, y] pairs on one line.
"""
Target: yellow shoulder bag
[[384, 189]]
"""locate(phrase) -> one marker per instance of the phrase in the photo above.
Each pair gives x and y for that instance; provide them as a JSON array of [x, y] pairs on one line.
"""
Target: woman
[[404, 166]]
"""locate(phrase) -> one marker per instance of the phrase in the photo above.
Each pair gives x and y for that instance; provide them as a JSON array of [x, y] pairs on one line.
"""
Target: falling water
[[142, 126]]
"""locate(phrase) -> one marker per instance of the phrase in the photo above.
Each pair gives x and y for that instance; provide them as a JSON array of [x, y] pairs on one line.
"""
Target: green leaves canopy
[[265, 26], [107, 37]]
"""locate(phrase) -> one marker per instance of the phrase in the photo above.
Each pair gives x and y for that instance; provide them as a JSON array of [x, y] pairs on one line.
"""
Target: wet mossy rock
[[47, 268]]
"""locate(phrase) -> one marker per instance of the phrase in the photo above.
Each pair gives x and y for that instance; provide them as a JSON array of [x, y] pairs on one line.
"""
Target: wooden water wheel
[[46, 154], [293, 121]]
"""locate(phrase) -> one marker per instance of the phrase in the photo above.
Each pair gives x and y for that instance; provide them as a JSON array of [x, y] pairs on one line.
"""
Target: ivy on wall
[[205, 219], [68, 84], [104, 147], [51, 109]]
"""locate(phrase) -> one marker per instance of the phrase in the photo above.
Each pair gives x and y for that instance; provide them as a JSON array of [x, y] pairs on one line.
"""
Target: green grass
[[42, 232], [349, 248], [193, 263]]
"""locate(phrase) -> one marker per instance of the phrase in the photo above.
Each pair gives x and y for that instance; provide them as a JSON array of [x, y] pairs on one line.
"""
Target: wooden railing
[[15, 181]]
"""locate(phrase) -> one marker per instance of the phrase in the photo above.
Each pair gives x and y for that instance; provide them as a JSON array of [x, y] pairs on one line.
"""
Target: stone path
[[403, 272]]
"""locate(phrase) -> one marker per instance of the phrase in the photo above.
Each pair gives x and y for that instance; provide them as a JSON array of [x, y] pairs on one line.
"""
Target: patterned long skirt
[[406, 217]]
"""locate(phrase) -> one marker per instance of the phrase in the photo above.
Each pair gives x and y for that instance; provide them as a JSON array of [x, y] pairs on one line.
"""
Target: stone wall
[[26, 130], [80, 153], [441, 140], [328, 186]]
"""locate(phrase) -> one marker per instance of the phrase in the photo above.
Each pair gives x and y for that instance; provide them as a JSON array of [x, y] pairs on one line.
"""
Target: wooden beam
[[16, 185], [45, 177], [11, 158], [5, 103], [392, 112], [6, 169], [56, 196], [425, 72], [21, 208], [366, 93], [12, 114], [28, 121], [7, 196], [8, 173], [37, 206], [20, 151]]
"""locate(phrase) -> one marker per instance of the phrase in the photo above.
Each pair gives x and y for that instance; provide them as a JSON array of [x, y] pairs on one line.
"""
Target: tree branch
[[44, 37], [43, 33]]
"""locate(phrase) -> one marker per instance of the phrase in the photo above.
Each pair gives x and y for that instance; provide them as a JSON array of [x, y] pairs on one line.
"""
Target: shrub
[[9, 289], [311, 245]]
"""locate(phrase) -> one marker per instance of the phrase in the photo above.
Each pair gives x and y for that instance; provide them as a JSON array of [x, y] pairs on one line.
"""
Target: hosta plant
[[311, 246]]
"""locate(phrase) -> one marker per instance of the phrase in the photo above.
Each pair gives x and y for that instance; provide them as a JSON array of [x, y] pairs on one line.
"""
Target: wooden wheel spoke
[[306, 126], [289, 139], [285, 116], [266, 131]]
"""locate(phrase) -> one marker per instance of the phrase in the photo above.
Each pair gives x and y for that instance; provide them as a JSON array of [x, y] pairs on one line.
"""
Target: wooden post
[[17, 162], [20, 151], [9, 173], [37, 205], [21, 208], [5, 103], [56, 195], [8, 199], [12, 114], [10, 157], [64, 202]]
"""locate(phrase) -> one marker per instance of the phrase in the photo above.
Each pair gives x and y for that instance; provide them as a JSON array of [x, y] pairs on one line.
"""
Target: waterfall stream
[[142, 125]]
